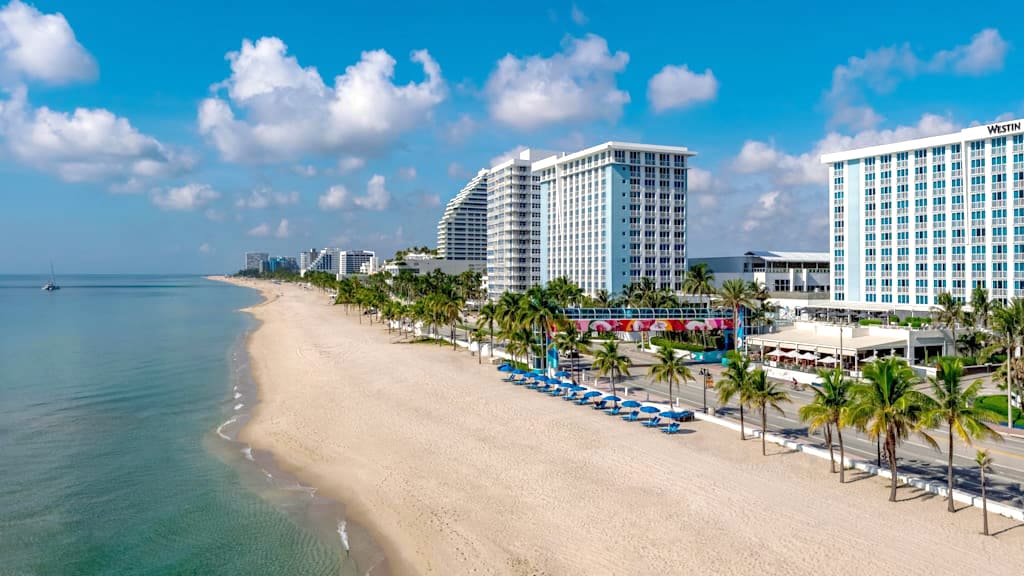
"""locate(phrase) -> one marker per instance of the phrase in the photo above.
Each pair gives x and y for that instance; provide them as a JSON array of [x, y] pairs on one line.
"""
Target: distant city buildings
[[253, 260], [418, 263], [350, 261], [326, 260], [306, 258], [913, 219]]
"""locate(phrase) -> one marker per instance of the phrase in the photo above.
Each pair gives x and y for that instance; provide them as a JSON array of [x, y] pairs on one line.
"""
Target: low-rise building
[[426, 263], [795, 280]]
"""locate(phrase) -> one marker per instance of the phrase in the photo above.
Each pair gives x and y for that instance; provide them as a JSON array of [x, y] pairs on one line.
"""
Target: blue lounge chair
[[672, 428], [686, 416], [557, 392], [653, 422], [614, 411], [533, 385], [631, 417], [582, 401], [544, 388], [572, 396], [600, 405], [509, 378]]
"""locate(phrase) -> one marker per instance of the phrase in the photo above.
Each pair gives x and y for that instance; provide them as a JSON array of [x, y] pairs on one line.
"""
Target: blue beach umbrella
[[592, 394], [649, 409], [561, 374], [630, 404], [519, 371], [611, 399], [578, 388], [505, 368], [670, 414], [566, 385]]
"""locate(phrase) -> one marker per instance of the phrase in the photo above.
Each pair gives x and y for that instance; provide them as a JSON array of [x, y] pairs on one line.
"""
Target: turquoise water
[[111, 393]]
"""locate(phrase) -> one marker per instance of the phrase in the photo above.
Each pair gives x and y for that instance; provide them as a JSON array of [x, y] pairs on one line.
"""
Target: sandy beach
[[455, 472]]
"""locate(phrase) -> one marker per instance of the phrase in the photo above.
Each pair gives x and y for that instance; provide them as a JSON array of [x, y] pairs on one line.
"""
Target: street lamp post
[[707, 377]]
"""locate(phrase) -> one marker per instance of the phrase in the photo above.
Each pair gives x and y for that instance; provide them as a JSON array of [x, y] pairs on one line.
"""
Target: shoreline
[[298, 432]]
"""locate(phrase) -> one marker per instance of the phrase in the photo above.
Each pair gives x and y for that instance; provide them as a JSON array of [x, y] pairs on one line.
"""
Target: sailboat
[[52, 284]]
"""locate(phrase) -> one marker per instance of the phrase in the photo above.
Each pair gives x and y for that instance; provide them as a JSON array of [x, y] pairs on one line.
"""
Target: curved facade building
[[462, 231]]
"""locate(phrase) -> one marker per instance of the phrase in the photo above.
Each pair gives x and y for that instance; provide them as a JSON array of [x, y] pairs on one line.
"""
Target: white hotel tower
[[913, 219], [615, 213], [462, 230]]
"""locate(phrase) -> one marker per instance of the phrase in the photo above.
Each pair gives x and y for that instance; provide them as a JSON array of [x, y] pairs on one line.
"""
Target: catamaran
[[52, 284]]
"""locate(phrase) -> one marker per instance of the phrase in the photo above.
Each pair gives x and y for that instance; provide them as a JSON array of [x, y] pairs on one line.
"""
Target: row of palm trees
[[888, 405]]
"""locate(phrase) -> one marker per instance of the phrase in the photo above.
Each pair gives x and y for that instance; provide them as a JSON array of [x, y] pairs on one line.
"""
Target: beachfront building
[[418, 263], [912, 219], [253, 260], [462, 230], [306, 258], [350, 261], [325, 261], [514, 225], [613, 214]]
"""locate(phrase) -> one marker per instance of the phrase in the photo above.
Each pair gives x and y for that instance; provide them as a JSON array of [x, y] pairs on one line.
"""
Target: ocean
[[120, 397]]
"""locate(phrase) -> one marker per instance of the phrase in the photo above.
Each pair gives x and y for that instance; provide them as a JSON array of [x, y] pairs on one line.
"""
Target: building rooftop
[[773, 256], [967, 134]]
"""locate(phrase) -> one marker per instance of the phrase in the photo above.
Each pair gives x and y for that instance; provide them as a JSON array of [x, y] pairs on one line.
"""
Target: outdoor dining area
[[561, 386]]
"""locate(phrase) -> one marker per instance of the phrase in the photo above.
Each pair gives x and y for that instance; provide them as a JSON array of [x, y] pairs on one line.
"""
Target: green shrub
[[894, 319], [997, 404], [666, 343], [870, 322]]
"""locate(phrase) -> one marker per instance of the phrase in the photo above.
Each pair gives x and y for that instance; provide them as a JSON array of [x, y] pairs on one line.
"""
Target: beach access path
[[456, 472]]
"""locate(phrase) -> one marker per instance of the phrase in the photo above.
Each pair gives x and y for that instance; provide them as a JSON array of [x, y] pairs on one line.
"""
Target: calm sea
[[114, 456]]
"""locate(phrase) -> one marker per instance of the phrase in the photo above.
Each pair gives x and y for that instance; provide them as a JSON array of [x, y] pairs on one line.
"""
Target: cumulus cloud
[[37, 46], [275, 108], [336, 198], [678, 87], [407, 173], [460, 130], [264, 197], [282, 229], [881, 70], [504, 156], [578, 16], [350, 164], [577, 84], [204, 248], [260, 231], [214, 215], [187, 197], [304, 170]]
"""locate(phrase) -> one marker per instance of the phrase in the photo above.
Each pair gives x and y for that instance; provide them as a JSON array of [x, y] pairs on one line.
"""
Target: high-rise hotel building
[[513, 225], [462, 230], [913, 219], [613, 214]]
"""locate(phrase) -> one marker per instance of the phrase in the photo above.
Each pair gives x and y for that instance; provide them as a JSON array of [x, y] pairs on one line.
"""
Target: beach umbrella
[[670, 414], [592, 394], [569, 385], [562, 374], [828, 360], [519, 371], [649, 409], [578, 388], [505, 368], [611, 399], [630, 404]]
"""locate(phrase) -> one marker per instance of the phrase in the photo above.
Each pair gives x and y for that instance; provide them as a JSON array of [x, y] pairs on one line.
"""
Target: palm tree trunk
[[491, 328], [890, 452], [842, 456], [831, 449], [670, 404], [743, 434], [454, 347], [949, 474], [735, 328], [764, 429], [984, 504]]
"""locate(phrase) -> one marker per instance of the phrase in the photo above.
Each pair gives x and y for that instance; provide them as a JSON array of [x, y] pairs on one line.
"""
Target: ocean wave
[[239, 406], [248, 453], [343, 534], [231, 420], [238, 395]]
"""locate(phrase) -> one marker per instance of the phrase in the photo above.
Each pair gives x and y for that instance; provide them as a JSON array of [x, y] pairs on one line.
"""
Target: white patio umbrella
[[808, 356], [776, 353], [828, 360], [794, 354], [869, 359]]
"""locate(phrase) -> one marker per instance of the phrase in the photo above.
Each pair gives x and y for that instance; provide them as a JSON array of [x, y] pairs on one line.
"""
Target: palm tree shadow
[[1007, 529], [785, 452], [857, 477], [921, 495]]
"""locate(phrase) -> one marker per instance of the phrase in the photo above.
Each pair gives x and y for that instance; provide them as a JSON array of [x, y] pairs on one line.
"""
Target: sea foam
[[343, 534], [239, 406], [220, 428]]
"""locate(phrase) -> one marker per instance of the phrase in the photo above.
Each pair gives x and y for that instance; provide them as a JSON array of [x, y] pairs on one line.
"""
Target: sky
[[149, 137]]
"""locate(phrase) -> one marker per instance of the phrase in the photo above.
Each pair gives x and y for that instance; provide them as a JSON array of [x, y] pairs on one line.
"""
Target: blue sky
[[152, 137]]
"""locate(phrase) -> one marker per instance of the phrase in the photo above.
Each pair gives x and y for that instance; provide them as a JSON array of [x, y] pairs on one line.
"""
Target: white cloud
[[350, 164], [187, 197], [577, 84], [204, 248], [407, 173], [336, 198], [430, 200], [459, 131], [214, 215], [304, 170], [455, 170], [37, 46], [578, 16], [282, 229], [755, 156], [264, 197], [87, 145], [678, 87], [883, 69], [261, 230], [377, 196], [276, 108]]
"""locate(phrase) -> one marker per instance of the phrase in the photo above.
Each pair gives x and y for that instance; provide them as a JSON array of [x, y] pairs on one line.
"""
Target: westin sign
[[1004, 128]]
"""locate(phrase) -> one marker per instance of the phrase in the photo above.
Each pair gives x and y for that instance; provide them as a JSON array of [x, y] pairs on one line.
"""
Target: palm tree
[[763, 393], [571, 341], [887, 406], [602, 299], [735, 294], [488, 314], [1008, 331], [984, 461], [828, 410], [671, 369], [736, 382], [981, 306], [700, 282], [949, 311], [956, 408], [608, 360]]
